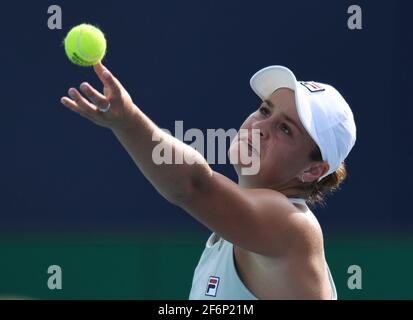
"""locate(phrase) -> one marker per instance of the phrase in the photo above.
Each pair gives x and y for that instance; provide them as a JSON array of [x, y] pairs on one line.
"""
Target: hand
[[120, 114]]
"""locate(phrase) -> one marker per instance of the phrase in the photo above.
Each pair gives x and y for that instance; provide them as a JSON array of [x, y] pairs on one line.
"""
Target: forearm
[[174, 181]]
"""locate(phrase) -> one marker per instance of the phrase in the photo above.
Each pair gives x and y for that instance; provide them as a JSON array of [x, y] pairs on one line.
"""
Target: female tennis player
[[266, 242]]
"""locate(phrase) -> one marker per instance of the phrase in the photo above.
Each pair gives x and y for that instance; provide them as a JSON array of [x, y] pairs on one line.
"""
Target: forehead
[[283, 100]]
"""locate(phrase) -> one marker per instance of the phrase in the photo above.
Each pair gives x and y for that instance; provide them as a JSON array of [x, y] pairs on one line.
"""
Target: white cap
[[322, 110]]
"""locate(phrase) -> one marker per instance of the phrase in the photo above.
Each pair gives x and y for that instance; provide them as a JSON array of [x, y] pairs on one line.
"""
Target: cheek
[[280, 156], [293, 159]]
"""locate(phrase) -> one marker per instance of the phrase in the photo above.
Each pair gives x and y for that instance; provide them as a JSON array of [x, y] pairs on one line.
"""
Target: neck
[[290, 189]]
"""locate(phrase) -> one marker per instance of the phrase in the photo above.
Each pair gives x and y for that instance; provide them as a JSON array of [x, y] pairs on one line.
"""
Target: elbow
[[197, 185], [179, 198], [178, 193]]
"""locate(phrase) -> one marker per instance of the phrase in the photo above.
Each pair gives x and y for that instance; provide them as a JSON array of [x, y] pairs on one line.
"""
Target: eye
[[286, 129], [264, 111]]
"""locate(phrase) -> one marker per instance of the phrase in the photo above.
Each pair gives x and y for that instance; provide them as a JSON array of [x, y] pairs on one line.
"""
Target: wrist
[[129, 120]]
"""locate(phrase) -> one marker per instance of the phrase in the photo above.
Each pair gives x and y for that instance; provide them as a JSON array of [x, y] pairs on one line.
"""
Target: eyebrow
[[287, 118]]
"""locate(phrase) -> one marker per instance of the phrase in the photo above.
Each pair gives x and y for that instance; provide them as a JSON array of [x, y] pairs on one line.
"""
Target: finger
[[93, 95], [72, 105], [108, 79], [82, 102]]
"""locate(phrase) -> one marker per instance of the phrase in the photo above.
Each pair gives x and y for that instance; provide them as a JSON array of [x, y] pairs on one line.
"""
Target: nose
[[262, 127]]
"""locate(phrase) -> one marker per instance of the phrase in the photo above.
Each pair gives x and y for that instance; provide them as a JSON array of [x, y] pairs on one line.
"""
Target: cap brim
[[272, 78]]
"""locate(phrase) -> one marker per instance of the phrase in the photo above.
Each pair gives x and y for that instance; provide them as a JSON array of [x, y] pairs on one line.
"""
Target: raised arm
[[260, 220], [138, 135]]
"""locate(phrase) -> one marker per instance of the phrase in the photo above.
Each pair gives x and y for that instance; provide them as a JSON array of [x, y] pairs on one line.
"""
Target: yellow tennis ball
[[85, 45]]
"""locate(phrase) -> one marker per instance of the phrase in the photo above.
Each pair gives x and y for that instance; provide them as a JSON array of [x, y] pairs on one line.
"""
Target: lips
[[250, 145]]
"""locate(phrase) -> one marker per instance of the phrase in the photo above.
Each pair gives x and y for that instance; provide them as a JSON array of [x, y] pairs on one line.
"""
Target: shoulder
[[301, 222], [289, 229], [308, 232], [301, 236], [263, 220]]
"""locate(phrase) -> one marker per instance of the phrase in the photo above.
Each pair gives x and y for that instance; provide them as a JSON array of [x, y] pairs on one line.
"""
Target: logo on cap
[[313, 86]]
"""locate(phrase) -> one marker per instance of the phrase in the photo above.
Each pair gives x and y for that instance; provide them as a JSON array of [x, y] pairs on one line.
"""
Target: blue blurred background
[[71, 196]]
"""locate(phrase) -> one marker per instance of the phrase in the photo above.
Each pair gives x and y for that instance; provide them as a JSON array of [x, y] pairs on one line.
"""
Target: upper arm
[[258, 220]]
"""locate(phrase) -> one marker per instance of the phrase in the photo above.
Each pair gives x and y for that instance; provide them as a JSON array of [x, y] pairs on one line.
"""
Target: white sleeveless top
[[216, 277]]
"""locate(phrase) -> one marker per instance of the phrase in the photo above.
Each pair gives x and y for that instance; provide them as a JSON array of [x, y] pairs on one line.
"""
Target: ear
[[314, 172]]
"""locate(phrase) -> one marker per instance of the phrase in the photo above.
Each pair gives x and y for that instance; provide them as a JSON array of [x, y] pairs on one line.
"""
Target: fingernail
[[72, 93], [83, 86]]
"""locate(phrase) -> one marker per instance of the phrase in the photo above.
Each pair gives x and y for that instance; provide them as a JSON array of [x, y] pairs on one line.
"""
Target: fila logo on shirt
[[313, 86], [212, 287]]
